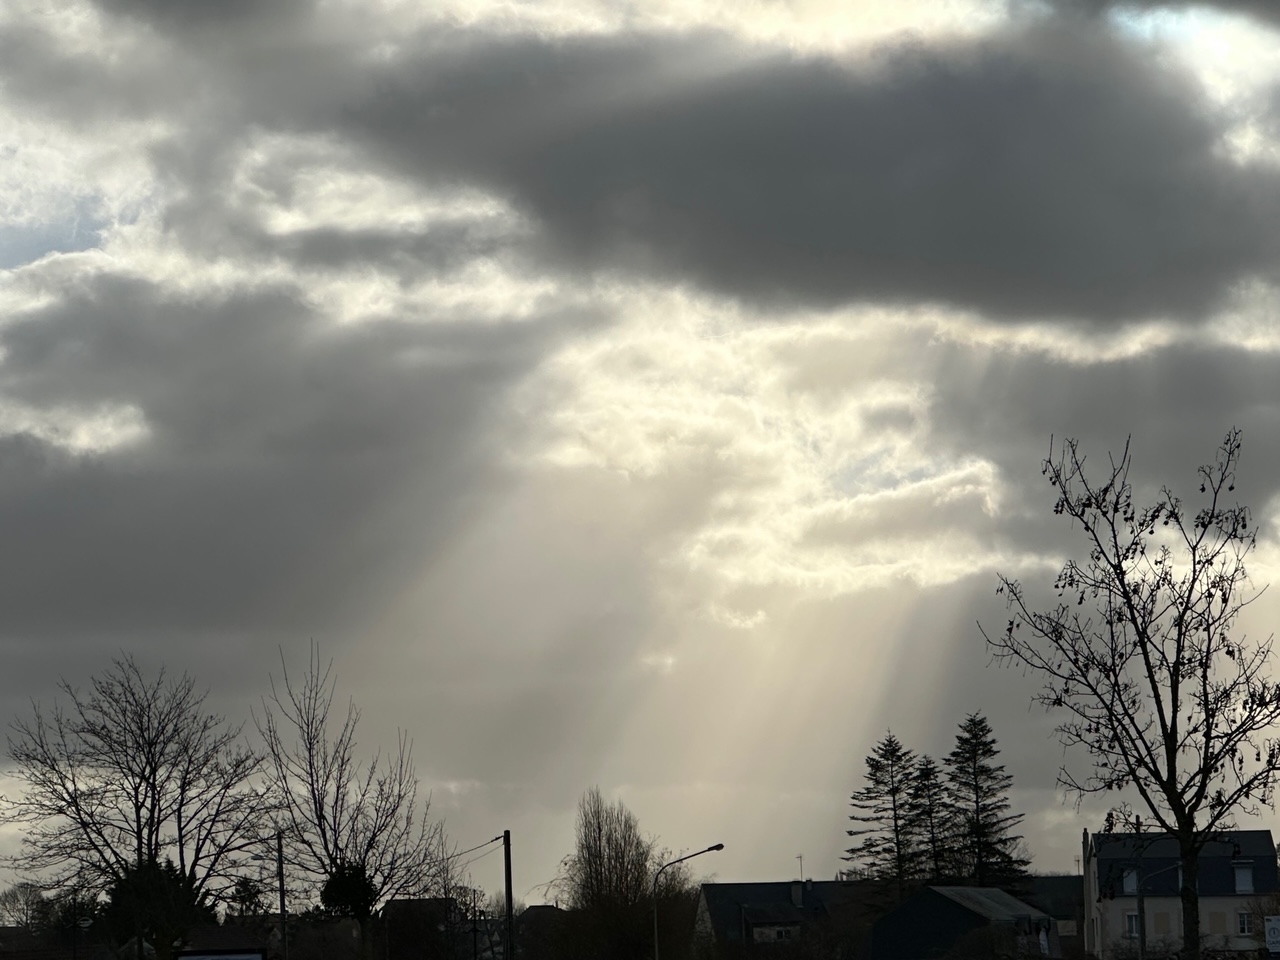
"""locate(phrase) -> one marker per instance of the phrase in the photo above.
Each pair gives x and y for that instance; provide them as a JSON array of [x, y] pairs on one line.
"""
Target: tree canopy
[[1141, 656], [132, 772]]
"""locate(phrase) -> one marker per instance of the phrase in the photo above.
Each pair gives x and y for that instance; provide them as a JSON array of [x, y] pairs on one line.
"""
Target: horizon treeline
[[918, 820]]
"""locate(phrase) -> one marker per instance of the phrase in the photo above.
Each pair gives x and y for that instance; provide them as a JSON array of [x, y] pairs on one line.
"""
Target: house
[[742, 916], [1233, 871], [959, 921]]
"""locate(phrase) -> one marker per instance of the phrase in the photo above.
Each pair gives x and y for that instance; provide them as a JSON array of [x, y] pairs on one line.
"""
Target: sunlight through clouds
[[829, 492], [294, 184], [90, 432], [800, 24], [627, 391]]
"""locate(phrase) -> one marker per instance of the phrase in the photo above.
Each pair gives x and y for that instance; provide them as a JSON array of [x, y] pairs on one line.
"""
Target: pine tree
[[932, 818], [978, 789], [883, 806]]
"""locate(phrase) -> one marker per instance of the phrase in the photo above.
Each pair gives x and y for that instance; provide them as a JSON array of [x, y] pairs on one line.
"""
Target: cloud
[[1049, 171], [274, 443], [619, 399]]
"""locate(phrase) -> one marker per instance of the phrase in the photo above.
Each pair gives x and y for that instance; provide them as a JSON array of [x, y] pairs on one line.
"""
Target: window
[[1131, 926], [1244, 924], [784, 933], [1244, 877], [1130, 881]]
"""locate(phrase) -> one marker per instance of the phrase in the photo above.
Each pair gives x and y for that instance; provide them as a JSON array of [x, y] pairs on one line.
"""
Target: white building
[[1234, 871]]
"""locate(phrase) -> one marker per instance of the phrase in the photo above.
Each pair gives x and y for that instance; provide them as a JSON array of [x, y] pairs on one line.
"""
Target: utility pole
[[506, 867], [284, 917], [656, 876]]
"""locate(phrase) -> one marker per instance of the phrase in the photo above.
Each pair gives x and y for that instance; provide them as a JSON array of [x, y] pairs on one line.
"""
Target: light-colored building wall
[[1108, 934]]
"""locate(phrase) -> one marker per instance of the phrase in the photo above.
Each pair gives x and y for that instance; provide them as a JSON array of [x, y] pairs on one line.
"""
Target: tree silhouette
[[23, 905], [887, 845], [155, 903], [933, 819], [607, 881], [1141, 656], [349, 892], [339, 814], [978, 789], [127, 773]]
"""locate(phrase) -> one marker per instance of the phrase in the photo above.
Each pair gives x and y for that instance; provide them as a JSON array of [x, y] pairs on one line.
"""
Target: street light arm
[[711, 849]]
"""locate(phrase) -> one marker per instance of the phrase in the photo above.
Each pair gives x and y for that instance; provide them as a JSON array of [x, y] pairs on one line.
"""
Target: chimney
[[797, 894]]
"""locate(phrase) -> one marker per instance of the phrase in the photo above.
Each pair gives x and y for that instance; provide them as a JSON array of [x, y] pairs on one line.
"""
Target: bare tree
[[22, 905], [611, 862], [608, 880], [129, 773], [1142, 656], [339, 814]]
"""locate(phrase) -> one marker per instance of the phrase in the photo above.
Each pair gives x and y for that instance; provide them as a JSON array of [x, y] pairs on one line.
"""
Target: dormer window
[[1244, 876], [1130, 881]]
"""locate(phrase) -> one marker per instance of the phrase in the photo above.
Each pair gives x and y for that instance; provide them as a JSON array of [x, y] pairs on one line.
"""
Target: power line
[[463, 853], [481, 857]]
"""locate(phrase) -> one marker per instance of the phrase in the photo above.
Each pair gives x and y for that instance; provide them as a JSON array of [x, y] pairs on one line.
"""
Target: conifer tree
[[932, 819], [886, 846], [978, 789]]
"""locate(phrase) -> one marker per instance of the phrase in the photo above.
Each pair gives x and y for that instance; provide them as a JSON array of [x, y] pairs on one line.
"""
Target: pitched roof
[[1162, 846], [730, 904], [990, 903]]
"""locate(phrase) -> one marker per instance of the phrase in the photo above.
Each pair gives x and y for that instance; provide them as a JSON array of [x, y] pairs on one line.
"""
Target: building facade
[[1235, 870]]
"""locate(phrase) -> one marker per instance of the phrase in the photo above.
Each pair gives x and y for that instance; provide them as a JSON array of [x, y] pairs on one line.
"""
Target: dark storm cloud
[[238, 17], [286, 467], [1175, 403], [90, 91], [1049, 171], [1045, 171]]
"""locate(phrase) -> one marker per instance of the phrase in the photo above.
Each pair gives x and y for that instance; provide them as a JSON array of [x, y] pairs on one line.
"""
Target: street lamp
[[1140, 878], [690, 856]]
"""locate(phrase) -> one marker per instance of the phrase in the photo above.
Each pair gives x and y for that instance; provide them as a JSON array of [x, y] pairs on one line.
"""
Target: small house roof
[[730, 904], [990, 903]]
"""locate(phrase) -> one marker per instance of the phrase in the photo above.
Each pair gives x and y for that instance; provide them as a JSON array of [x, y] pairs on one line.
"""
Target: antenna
[[800, 857]]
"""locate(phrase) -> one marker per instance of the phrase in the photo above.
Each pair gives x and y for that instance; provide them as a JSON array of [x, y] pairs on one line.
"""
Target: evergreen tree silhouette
[[932, 818], [978, 789], [886, 847]]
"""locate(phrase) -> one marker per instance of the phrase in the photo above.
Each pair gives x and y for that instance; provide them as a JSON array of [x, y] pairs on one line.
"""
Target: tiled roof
[[1158, 846]]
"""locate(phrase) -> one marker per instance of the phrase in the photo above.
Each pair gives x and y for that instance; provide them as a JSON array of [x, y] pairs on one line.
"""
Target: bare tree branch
[[129, 773], [336, 812], [1140, 653]]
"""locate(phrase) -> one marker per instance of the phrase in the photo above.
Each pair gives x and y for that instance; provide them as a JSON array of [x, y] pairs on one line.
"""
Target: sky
[[633, 394]]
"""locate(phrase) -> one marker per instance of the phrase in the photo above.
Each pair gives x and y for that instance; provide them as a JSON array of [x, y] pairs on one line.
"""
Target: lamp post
[[690, 856], [1142, 907]]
